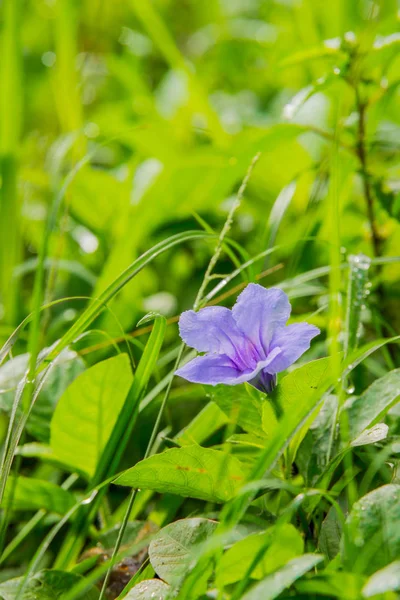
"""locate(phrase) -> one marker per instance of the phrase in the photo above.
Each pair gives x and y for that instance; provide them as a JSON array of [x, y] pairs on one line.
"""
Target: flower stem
[[224, 231]]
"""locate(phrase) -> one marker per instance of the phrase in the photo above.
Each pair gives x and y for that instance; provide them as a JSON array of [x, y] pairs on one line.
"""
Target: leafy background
[[126, 128]]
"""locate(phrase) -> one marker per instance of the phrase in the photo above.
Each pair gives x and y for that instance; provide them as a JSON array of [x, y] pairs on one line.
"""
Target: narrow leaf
[[274, 584]]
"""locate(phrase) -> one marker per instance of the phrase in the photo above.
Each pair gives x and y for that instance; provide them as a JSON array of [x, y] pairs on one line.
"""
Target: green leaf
[[60, 376], [28, 493], [121, 432], [46, 454], [277, 582], [316, 448], [281, 543], [302, 383], [385, 580], [335, 584], [191, 471], [240, 405], [46, 585], [269, 420], [150, 589], [372, 534], [65, 371], [330, 534], [377, 433], [246, 439], [172, 549], [87, 412], [298, 395], [373, 404], [303, 387]]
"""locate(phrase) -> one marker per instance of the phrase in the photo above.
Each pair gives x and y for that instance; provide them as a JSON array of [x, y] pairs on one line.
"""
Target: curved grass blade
[[116, 444]]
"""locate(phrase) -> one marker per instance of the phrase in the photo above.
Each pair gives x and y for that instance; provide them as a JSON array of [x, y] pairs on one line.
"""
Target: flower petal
[[213, 329], [259, 312], [292, 341], [213, 369]]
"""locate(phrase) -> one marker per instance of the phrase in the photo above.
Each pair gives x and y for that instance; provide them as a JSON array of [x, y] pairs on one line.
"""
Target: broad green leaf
[[373, 404], [316, 449], [372, 534], [60, 377], [298, 395], [240, 405], [308, 380], [299, 388], [46, 454], [269, 420], [46, 585], [87, 412], [192, 471], [385, 580], [28, 493], [150, 589], [277, 582], [281, 544], [330, 534], [172, 549]]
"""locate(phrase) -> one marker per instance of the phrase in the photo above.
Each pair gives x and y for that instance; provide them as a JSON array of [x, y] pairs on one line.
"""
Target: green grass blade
[[116, 445], [10, 129]]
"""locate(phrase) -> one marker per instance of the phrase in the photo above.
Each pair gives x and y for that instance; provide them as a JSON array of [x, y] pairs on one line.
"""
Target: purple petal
[[213, 329], [292, 342], [259, 312], [213, 369]]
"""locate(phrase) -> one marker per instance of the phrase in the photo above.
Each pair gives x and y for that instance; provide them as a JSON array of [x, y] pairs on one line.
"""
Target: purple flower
[[250, 343]]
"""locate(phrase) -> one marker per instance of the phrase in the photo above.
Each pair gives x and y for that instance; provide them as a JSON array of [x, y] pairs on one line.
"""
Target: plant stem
[[362, 155], [223, 234]]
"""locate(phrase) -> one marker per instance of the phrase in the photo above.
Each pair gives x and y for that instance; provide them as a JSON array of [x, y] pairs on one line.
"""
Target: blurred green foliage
[[159, 107], [124, 123]]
